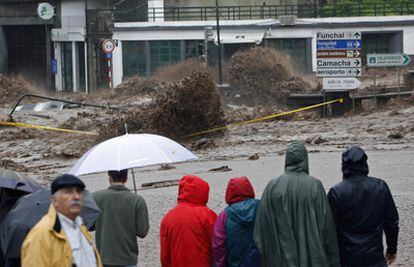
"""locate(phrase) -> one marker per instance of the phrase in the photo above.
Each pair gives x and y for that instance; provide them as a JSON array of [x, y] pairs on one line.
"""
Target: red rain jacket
[[186, 230]]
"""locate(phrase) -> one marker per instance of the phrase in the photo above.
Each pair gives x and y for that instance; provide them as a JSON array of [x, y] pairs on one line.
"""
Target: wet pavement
[[394, 166]]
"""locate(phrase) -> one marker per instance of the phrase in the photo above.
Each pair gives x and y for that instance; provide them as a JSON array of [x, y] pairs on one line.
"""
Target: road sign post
[[338, 54], [388, 60], [338, 60], [108, 47]]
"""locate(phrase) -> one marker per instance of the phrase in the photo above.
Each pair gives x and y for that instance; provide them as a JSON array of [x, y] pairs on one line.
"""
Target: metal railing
[[170, 13]]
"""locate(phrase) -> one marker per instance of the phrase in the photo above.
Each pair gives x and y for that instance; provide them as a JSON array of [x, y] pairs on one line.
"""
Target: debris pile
[[186, 107], [137, 85], [12, 87], [179, 109]]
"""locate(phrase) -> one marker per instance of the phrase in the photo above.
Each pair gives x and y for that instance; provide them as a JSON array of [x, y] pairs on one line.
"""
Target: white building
[[144, 46]]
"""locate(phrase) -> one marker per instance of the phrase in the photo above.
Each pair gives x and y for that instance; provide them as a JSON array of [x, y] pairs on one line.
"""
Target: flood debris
[[177, 110], [202, 144], [159, 184], [187, 107], [12, 87], [255, 156], [165, 167], [397, 133], [224, 168]]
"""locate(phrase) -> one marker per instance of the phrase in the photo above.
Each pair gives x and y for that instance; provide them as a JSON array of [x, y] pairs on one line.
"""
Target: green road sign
[[388, 60]]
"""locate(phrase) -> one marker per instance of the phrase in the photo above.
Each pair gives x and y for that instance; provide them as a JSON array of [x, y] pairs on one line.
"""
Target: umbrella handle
[[133, 179]]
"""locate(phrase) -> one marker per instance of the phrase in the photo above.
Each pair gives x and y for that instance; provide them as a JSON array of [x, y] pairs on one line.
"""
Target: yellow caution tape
[[339, 100], [32, 126]]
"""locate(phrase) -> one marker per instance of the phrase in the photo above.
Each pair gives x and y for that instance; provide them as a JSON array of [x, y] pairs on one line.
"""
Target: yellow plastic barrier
[[339, 100], [31, 126]]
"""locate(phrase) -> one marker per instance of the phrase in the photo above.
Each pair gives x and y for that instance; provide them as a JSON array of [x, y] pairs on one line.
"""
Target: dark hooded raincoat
[[363, 209], [294, 225]]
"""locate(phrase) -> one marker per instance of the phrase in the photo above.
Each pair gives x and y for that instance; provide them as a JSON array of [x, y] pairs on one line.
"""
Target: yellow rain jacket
[[46, 244]]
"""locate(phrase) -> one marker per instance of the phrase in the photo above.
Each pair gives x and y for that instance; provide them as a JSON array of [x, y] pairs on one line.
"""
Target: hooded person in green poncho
[[294, 225]]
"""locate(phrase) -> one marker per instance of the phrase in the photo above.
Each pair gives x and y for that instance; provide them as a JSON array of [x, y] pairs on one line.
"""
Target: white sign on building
[[45, 11]]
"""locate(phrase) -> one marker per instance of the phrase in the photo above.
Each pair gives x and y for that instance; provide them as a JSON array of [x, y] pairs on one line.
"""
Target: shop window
[[134, 58], [164, 53], [296, 52], [67, 65]]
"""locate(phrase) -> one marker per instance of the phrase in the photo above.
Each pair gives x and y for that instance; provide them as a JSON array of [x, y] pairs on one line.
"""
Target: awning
[[239, 37]]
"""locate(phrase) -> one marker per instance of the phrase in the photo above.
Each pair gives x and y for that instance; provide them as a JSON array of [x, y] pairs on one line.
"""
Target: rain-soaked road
[[394, 166]]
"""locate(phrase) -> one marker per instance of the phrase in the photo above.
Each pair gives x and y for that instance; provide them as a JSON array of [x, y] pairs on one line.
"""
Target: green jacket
[[124, 216], [294, 225]]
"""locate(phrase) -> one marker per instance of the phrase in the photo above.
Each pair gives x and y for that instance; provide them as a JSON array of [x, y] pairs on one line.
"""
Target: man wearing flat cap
[[60, 239]]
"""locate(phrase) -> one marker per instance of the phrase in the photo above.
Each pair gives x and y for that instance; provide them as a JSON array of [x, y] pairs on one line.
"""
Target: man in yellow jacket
[[60, 239]]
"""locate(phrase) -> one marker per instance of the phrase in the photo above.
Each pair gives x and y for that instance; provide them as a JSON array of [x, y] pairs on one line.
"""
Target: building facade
[[144, 46], [65, 52]]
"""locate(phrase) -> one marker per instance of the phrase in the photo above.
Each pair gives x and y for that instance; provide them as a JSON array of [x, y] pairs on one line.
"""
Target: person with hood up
[[363, 209], [294, 225], [233, 243], [186, 230]]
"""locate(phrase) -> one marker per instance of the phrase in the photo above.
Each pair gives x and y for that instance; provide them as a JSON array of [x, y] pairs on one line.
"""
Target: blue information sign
[[109, 55], [338, 44], [54, 66]]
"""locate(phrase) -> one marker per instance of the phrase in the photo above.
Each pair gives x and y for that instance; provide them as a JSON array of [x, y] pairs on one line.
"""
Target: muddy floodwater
[[387, 135], [394, 166]]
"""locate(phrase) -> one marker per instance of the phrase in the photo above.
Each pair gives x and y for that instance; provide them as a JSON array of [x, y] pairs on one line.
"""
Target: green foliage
[[348, 8]]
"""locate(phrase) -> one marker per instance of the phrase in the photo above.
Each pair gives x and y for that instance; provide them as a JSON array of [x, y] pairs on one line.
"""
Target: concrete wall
[[73, 13]]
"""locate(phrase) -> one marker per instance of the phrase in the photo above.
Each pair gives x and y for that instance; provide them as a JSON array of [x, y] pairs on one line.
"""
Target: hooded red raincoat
[[186, 230]]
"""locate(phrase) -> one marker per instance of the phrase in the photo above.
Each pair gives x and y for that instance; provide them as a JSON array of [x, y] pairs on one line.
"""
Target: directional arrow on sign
[[354, 72], [357, 44], [357, 53], [357, 35], [357, 63], [407, 59]]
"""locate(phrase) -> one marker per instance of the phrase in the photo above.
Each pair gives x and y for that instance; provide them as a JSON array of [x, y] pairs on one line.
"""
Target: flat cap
[[66, 180]]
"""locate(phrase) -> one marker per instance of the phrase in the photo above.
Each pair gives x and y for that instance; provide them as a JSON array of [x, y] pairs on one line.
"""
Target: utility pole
[[87, 89], [220, 73]]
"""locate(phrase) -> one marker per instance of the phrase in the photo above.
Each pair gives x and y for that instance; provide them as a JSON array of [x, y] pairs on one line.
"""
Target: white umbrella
[[131, 151]]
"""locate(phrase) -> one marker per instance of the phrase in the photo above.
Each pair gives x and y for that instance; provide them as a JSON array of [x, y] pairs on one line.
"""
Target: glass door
[[67, 65]]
